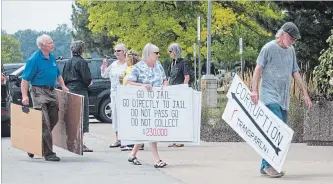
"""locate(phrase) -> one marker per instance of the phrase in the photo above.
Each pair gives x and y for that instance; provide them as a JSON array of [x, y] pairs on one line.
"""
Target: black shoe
[[52, 158], [31, 155]]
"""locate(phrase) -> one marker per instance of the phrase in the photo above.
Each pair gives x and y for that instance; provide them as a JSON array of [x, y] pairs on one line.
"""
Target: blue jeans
[[283, 115]]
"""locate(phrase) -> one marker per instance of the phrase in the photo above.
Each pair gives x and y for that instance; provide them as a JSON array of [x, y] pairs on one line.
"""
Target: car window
[[98, 64], [93, 69]]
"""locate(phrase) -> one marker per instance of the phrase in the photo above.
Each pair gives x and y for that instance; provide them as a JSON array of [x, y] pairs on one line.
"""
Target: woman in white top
[[115, 72]]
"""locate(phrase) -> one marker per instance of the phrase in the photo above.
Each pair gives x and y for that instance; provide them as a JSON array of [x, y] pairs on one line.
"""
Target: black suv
[[99, 91]]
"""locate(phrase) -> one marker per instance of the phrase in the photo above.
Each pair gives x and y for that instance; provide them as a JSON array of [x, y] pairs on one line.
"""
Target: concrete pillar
[[209, 90]]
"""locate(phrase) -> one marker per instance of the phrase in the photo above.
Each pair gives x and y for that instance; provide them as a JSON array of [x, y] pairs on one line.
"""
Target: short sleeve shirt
[[178, 70], [143, 74], [41, 71], [278, 66]]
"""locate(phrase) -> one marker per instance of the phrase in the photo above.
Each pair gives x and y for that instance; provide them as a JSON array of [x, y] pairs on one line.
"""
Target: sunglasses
[[157, 53], [117, 50], [170, 51]]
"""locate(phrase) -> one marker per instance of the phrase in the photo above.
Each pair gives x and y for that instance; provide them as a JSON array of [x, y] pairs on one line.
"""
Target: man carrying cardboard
[[42, 72]]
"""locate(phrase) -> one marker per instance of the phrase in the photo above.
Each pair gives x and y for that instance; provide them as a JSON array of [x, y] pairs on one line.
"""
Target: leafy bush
[[323, 73]]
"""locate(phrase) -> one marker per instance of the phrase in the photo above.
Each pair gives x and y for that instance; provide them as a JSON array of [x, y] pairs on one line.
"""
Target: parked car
[[11, 67], [99, 91]]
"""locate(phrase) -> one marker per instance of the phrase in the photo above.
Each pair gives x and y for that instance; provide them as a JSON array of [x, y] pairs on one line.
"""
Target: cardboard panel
[[67, 134], [26, 129]]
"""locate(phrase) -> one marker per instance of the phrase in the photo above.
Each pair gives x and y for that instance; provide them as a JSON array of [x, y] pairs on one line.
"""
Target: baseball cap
[[292, 30]]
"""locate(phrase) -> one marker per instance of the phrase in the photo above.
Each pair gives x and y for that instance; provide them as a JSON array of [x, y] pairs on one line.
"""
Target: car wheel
[[105, 112], [5, 128], [98, 118]]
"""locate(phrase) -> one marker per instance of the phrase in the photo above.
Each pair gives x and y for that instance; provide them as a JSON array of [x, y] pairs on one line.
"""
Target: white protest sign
[[196, 107], [157, 115], [269, 136]]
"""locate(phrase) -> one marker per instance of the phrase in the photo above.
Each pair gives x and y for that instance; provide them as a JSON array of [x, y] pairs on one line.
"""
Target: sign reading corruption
[[257, 125]]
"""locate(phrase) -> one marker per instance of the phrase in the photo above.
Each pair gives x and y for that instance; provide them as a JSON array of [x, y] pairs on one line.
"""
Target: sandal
[[134, 160], [176, 145], [160, 164], [126, 148], [116, 144]]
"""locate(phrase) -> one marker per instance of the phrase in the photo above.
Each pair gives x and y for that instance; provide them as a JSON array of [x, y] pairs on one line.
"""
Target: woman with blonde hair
[[149, 73], [115, 72], [132, 57]]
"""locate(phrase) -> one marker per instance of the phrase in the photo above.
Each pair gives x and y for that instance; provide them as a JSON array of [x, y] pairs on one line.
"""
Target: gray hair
[[122, 47], [278, 34], [42, 39], [148, 50], [175, 47], [77, 47]]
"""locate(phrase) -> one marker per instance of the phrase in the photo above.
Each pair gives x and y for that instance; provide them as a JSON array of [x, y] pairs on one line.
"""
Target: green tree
[[324, 71], [164, 22], [61, 36], [10, 49], [254, 22], [27, 39], [62, 39], [99, 43], [314, 20]]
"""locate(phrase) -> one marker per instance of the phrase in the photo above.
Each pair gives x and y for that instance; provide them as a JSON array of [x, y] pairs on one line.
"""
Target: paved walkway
[[226, 163], [236, 162]]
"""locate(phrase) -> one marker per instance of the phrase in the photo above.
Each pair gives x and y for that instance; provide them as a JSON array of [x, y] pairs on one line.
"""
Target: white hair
[[42, 39], [278, 34], [175, 47], [148, 50], [122, 46]]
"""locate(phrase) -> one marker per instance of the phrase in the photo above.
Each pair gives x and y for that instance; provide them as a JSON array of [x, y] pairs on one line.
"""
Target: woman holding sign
[[115, 72], [149, 73]]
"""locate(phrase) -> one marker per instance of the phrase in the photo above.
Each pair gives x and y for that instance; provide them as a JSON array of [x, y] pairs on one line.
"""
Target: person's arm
[[256, 77], [105, 71], [61, 83], [262, 61], [255, 81], [24, 91], [304, 89], [28, 74], [186, 72]]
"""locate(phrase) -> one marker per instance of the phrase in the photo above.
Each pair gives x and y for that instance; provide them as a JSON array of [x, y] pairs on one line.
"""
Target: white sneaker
[[271, 172]]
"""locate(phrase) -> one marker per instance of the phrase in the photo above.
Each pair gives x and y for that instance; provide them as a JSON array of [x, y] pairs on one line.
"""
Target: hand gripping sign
[[269, 136]]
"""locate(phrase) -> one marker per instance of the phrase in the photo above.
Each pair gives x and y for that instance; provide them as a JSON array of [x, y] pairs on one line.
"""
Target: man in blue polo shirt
[[42, 72]]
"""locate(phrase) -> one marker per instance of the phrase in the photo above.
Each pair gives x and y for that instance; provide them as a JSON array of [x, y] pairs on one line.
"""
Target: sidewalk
[[233, 162]]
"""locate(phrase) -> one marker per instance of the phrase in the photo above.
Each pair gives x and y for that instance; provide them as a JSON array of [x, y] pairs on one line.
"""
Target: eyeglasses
[[117, 50], [170, 51], [291, 38], [157, 53]]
